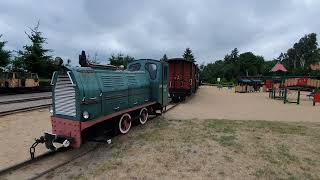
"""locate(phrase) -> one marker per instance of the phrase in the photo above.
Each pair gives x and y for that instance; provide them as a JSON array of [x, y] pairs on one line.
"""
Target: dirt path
[[17, 133], [210, 103]]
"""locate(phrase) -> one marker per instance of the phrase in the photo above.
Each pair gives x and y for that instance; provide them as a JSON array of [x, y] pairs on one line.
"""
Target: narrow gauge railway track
[[9, 112], [34, 165], [12, 101], [5, 92]]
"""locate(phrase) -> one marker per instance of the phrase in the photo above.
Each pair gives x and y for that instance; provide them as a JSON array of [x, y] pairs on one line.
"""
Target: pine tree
[[188, 55], [164, 58], [4, 54], [34, 57]]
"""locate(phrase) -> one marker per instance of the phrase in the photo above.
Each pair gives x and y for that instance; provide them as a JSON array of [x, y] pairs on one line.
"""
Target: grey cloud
[[148, 29]]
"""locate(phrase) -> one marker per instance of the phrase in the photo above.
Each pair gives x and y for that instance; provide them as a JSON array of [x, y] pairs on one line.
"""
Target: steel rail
[[24, 100], [64, 163], [9, 112]]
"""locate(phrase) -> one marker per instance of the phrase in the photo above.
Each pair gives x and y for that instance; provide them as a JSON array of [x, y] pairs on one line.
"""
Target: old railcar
[[183, 78], [86, 97], [15, 80]]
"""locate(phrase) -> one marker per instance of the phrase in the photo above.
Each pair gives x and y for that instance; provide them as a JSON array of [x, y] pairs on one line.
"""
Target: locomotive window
[[134, 67], [152, 69]]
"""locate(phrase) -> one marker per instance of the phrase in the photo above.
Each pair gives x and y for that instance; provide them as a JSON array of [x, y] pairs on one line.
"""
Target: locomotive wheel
[[125, 123], [143, 116]]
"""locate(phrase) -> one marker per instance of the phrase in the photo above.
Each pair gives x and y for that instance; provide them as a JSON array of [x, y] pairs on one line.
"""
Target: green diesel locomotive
[[84, 97]]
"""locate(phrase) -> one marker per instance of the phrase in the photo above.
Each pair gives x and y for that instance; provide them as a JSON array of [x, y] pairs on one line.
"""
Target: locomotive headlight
[[51, 110], [85, 114]]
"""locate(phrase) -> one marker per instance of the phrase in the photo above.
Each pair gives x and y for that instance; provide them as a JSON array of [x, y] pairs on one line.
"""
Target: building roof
[[279, 67]]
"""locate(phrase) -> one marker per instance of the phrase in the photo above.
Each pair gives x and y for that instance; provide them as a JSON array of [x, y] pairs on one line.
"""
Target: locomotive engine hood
[[74, 89]]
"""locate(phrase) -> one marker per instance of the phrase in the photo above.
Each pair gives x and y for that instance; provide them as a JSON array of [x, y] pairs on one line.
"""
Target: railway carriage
[[184, 78], [85, 97]]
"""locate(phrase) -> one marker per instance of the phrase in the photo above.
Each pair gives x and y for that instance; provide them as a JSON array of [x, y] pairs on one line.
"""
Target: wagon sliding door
[[187, 72]]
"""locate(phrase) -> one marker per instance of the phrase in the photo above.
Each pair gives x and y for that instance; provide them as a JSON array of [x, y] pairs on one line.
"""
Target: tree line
[[297, 60]]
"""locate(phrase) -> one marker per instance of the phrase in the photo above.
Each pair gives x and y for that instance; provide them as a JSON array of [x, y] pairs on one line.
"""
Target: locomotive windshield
[[152, 69], [134, 67]]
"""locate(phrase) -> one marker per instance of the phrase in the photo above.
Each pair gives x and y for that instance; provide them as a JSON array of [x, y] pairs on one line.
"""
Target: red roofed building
[[279, 67]]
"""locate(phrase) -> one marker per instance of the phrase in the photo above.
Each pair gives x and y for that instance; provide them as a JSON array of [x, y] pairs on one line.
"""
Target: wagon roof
[[178, 59]]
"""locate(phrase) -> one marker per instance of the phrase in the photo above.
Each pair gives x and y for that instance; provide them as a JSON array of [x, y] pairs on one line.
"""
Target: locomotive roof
[[146, 60]]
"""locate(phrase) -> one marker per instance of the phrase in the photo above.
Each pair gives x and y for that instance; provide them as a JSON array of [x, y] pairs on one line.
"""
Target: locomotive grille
[[65, 101], [132, 80], [112, 80]]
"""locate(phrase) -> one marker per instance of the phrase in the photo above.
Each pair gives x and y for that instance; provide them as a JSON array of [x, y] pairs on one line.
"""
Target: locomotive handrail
[[70, 78], [53, 75]]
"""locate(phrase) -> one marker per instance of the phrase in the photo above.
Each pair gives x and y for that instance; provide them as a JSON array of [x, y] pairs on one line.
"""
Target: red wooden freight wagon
[[182, 78]]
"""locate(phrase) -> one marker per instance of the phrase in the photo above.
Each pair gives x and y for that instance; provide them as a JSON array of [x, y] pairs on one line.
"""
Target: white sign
[[218, 79]]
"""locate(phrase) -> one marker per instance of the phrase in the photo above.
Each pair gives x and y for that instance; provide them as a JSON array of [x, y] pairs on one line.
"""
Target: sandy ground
[[211, 103], [17, 133]]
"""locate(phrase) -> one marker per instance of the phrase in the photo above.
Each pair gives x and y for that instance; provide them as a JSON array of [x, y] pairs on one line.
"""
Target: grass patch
[[222, 126], [285, 155], [278, 127], [267, 154], [228, 158], [227, 140], [273, 143], [207, 148], [230, 141], [229, 126], [279, 155], [312, 162], [265, 172]]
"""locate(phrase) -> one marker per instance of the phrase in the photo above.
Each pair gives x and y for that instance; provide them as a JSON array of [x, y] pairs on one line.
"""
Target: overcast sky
[[150, 28]]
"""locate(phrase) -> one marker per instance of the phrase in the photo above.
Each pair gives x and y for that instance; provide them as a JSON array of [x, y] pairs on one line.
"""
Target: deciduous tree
[[120, 59], [4, 54]]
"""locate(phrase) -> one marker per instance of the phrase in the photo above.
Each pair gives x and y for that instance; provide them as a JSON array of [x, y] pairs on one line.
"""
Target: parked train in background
[[87, 97], [183, 78], [15, 80]]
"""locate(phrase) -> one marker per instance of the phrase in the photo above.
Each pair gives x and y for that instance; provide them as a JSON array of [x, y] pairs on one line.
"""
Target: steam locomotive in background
[[86, 97]]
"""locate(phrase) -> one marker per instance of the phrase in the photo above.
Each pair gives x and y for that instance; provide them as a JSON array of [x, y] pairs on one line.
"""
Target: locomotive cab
[[158, 76]]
